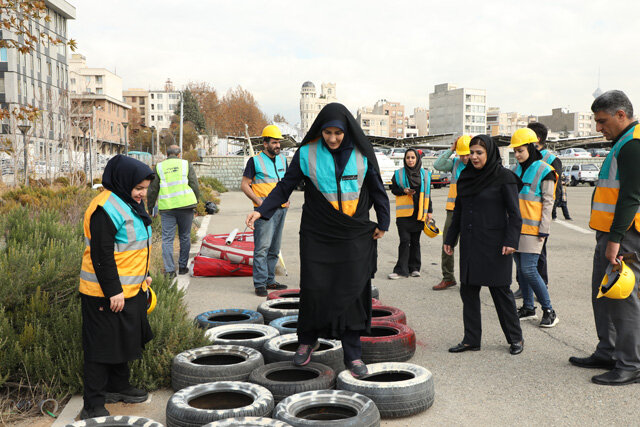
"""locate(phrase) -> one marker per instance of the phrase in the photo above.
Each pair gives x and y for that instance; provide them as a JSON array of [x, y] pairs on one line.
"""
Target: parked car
[[440, 179], [384, 150], [575, 152], [582, 173], [598, 152], [387, 167], [397, 153]]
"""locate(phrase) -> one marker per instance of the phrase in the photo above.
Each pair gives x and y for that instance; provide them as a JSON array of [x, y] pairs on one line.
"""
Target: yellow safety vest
[[268, 173], [530, 197], [132, 247], [458, 166], [605, 196], [174, 185], [404, 203]]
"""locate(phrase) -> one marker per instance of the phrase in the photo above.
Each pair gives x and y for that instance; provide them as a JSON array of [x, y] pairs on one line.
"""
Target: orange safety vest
[[605, 196], [404, 203], [132, 247], [458, 166], [530, 197]]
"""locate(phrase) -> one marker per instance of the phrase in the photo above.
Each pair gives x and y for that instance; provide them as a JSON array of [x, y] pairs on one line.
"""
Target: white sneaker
[[394, 276], [415, 273]]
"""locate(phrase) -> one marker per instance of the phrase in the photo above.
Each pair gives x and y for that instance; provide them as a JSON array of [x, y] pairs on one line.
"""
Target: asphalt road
[[489, 387]]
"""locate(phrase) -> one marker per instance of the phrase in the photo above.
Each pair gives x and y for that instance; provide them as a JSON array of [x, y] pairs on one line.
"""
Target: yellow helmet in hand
[[152, 300], [430, 228], [618, 281]]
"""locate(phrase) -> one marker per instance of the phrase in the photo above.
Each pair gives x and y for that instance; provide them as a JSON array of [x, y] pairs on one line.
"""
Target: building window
[[99, 80], [151, 96], [99, 90], [159, 96], [49, 69], [160, 118], [141, 101], [3, 54], [1, 84], [153, 118], [160, 107]]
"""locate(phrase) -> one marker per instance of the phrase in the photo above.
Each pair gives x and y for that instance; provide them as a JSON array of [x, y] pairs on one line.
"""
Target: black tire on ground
[[118, 420], [386, 312], [328, 407], [214, 363], [388, 342], [246, 335], [592, 183], [272, 309], [200, 404], [284, 293], [248, 422], [284, 379], [213, 318], [282, 349], [375, 293], [397, 389], [285, 325]]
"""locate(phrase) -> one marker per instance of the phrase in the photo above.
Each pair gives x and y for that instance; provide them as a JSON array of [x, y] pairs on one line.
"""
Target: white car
[[575, 152], [387, 168], [582, 173]]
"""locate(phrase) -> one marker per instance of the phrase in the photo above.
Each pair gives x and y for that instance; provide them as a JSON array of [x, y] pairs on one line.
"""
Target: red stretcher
[[224, 255]]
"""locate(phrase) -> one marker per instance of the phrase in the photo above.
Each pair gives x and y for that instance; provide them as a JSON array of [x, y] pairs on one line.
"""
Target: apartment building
[[311, 102], [568, 123], [372, 123], [162, 105], [457, 110], [395, 111], [139, 100]]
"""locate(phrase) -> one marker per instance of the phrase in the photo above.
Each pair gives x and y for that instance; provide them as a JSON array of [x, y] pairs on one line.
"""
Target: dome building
[[311, 103]]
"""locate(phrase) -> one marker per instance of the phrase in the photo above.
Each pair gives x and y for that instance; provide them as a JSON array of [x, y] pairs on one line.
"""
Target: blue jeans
[[182, 218], [530, 280], [267, 236]]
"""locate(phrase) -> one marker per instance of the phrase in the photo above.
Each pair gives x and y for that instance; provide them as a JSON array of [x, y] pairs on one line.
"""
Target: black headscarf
[[534, 155], [353, 134], [413, 173], [121, 175], [472, 181]]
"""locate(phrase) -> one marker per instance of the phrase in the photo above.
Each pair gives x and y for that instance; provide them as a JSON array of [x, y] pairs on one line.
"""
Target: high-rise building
[[162, 105], [395, 111], [311, 103], [568, 123], [457, 110], [39, 78]]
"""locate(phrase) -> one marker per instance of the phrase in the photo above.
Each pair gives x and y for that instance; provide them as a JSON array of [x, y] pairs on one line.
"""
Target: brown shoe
[[444, 285]]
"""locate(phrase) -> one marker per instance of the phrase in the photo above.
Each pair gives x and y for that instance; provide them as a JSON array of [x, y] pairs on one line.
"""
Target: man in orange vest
[[615, 215]]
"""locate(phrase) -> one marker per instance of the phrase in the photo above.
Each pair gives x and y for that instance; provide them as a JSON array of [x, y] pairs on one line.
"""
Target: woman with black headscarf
[[115, 266], [412, 187], [487, 218], [337, 240], [536, 204]]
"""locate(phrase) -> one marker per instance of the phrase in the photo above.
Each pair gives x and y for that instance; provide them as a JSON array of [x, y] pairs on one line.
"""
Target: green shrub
[[214, 183]]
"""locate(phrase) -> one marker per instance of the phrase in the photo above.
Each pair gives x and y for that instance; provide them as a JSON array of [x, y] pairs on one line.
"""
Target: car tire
[[388, 342], [248, 422], [284, 293], [314, 408], [229, 363], [246, 335], [388, 313], [198, 405], [285, 325], [592, 183], [397, 389], [213, 318], [282, 349], [117, 420], [284, 379], [272, 309]]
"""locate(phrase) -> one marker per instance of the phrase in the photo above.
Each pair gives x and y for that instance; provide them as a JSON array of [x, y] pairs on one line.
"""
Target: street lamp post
[[153, 146], [84, 127], [24, 129], [126, 146]]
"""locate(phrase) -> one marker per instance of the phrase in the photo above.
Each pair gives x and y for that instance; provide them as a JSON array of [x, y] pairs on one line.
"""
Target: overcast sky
[[530, 57]]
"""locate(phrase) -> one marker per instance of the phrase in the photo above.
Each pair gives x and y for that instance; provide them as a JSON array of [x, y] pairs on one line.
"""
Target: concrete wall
[[228, 169]]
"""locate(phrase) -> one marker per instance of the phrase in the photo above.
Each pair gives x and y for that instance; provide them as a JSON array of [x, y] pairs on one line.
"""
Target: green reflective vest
[[174, 185]]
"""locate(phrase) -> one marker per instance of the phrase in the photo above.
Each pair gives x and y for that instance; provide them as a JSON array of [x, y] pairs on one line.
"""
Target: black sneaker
[[549, 318], [303, 353], [261, 291], [130, 395], [275, 286], [357, 368], [183, 270], [517, 294], [527, 313], [99, 411]]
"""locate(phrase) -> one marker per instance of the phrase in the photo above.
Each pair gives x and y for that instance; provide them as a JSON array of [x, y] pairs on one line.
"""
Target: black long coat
[[486, 222]]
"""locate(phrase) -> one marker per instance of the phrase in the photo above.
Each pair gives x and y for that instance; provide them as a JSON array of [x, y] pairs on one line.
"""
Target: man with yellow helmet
[[261, 174], [445, 164], [615, 215]]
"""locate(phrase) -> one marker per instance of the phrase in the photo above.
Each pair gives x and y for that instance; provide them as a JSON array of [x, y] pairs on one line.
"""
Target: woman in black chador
[[487, 218], [337, 240]]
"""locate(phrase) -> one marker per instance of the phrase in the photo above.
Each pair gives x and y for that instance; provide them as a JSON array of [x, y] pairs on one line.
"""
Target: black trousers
[[505, 307], [409, 259], [542, 263], [351, 345], [102, 377]]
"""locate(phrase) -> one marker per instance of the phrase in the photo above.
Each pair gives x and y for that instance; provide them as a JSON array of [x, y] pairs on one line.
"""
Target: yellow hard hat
[[462, 145], [430, 228], [523, 136], [618, 282], [152, 300], [272, 131]]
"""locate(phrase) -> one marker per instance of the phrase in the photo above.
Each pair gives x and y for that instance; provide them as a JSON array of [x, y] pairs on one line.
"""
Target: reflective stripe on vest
[[318, 165], [547, 156], [458, 166], [530, 197], [404, 203], [131, 247], [174, 185], [605, 196], [267, 174]]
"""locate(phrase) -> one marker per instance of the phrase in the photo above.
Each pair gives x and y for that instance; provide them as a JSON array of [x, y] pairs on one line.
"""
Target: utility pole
[[181, 119], [91, 138], [126, 145], [153, 147]]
